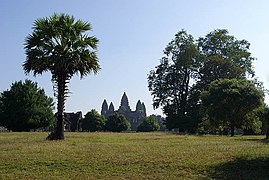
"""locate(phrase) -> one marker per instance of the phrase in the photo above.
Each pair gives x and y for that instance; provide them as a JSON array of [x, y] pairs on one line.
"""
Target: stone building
[[72, 121], [134, 117]]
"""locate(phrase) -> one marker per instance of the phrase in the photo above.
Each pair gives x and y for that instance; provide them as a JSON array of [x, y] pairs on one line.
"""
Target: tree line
[[25, 107], [208, 85], [116, 122]]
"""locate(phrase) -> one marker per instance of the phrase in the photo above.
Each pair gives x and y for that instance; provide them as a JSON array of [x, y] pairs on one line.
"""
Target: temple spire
[[144, 109], [124, 104], [104, 108], [111, 107], [139, 106]]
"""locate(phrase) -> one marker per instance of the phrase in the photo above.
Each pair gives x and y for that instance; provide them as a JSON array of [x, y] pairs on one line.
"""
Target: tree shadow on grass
[[264, 141], [242, 168]]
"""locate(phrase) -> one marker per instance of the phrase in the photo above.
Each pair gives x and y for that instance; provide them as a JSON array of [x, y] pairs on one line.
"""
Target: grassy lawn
[[132, 156]]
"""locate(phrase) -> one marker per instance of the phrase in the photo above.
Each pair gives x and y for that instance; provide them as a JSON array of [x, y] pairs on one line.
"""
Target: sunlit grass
[[131, 156]]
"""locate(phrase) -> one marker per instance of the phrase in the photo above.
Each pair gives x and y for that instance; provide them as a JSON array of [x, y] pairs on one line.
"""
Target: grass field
[[132, 156]]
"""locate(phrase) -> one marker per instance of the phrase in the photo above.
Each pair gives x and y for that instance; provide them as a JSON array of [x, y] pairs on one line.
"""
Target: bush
[[148, 125], [25, 107], [117, 123], [93, 121]]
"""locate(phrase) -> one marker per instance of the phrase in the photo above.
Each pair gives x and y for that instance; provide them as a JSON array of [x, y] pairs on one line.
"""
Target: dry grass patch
[[131, 156]]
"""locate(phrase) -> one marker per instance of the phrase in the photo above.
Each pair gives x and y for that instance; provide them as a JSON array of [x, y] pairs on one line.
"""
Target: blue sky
[[133, 35]]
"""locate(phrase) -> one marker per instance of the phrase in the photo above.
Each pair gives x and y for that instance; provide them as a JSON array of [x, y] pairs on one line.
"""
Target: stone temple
[[134, 117]]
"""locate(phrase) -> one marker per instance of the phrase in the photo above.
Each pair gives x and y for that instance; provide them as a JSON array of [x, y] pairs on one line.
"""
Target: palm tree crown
[[59, 44]]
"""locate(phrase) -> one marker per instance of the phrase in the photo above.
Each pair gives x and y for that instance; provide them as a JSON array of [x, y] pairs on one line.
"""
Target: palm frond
[[59, 44]]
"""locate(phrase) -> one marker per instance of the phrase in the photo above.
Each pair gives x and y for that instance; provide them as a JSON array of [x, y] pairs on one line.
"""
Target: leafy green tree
[[229, 102], [187, 69], [117, 123], [25, 107], [59, 44], [170, 82], [93, 121], [216, 67], [219, 44], [148, 125], [223, 57]]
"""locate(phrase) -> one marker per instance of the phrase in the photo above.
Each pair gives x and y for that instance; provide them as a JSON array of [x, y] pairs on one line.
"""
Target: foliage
[[206, 127], [253, 123], [25, 106], [93, 121], [188, 68], [132, 156], [59, 44], [117, 123], [216, 67], [148, 125], [170, 82], [224, 57], [266, 122], [264, 116], [228, 102], [220, 45]]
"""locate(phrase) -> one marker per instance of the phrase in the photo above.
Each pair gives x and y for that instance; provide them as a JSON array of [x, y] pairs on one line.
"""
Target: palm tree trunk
[[60, 108], [59, 133]]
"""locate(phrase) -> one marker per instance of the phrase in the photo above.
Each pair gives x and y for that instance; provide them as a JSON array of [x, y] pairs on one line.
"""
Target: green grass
[[132, 156]]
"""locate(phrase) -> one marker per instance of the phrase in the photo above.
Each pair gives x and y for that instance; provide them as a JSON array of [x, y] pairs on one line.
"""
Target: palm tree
[[59, 44]]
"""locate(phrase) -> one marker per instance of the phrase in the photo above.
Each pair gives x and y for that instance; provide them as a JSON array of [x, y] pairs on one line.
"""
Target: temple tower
[[104, 108], [111, 107], [134, 117], [124, 104], [144, 109], [139, 107]]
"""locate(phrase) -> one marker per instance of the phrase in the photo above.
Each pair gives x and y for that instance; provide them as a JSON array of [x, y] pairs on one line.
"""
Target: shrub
[[93, 121], [117, 123], [148, 125]]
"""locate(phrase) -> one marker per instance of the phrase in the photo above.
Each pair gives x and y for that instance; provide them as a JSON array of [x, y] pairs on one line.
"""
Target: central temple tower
[[134, 117], [124, 104]]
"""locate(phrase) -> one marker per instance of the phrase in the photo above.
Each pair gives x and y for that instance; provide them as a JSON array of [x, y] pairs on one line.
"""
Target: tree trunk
[[58, 133], [60, 109], [232, 130]]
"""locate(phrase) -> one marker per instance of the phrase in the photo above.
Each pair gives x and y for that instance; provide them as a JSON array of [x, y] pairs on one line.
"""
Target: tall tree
[[228, 102], [170, 82], [223, 56], [59, 44], [25, 107]]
